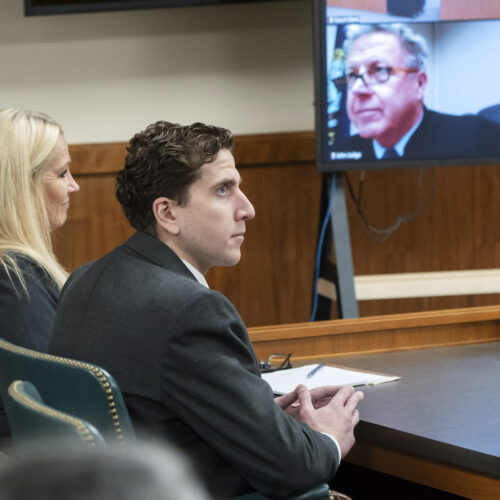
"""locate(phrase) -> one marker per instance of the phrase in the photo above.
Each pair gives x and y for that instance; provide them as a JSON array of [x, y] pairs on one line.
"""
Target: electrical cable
[[320, 248], [377, 233]]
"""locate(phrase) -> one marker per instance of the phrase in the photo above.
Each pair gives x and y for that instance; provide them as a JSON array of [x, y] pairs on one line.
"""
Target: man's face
[[212, 223], [383, 111]]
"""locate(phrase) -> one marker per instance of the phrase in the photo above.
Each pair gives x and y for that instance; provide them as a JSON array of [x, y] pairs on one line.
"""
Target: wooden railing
[[379, 333]]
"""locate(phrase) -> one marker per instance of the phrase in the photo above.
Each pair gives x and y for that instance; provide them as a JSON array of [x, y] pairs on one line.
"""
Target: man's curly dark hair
[[164, 160]]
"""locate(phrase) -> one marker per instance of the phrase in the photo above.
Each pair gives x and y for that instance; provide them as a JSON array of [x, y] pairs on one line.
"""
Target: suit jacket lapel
[[157, 252]]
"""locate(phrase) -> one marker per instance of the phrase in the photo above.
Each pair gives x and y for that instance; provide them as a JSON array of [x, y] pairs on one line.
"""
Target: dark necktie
[[390, 154]]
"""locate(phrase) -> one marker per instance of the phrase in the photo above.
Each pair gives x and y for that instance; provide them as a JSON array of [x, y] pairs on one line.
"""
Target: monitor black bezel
[[75, 8], [322, 162]]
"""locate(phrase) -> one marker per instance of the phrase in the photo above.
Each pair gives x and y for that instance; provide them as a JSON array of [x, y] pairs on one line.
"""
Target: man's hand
[[329, 409], [320, 396]]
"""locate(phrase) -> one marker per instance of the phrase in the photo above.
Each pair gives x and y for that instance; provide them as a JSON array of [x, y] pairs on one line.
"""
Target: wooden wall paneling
[[287, 148], [273, 282], [467, 9], [450, 9], [95, 224], [370, 5], [93, 159], [456, 228]]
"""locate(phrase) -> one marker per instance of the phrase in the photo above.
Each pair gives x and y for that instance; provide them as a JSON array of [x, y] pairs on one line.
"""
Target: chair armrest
[[319, 492]]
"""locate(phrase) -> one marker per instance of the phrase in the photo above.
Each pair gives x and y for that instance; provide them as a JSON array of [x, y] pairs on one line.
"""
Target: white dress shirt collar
[[199, 277], [400, 146]]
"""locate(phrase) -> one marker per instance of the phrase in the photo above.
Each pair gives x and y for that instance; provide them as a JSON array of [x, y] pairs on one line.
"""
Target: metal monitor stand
[[340, 272]]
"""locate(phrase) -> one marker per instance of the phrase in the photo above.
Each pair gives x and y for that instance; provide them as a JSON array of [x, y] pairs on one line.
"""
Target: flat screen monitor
[[46, 7], [403, 88]]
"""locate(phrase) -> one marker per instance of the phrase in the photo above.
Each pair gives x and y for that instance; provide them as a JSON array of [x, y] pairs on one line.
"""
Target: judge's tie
[[390, 154]]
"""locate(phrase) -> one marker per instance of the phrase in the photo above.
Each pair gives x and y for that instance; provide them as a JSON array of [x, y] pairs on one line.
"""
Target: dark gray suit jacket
[[181, 355], [26, 320], [440, 136]]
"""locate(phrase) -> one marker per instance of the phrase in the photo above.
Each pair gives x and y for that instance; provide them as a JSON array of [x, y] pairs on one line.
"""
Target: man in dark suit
[[386, 81], [439, 136], [180, 351]]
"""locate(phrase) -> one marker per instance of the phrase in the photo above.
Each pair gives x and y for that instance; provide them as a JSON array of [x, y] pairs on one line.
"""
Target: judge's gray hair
[[414, 43]]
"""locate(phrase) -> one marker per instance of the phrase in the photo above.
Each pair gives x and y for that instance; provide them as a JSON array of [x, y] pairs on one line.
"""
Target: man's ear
[[164, 212], [422, 83]]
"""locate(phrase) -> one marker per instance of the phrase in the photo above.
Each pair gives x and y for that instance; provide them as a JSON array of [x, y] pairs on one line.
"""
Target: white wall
[[105, 76], [469, 73]]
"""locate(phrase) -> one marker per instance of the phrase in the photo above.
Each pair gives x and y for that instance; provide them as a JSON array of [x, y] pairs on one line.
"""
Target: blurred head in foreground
[[142, 471]]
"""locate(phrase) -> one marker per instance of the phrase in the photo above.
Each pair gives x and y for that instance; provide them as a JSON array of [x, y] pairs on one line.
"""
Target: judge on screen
[[386, 80]]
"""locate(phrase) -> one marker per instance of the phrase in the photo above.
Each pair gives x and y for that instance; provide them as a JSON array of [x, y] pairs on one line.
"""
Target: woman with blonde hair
[[35, 186]]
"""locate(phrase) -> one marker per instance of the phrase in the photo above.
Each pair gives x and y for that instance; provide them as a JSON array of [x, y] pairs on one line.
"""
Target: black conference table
[[440, 424]]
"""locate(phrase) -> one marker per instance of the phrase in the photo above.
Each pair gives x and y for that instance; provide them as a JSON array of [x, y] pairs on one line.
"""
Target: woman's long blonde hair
[[26, 142]]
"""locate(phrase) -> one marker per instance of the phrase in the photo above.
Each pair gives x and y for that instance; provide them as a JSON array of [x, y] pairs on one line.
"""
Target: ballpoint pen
[[315, 370]]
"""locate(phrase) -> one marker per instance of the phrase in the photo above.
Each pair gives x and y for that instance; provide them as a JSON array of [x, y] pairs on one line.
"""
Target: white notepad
[[283, 381]]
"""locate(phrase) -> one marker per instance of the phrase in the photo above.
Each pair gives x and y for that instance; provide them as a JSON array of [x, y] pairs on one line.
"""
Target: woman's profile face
[[58, 184]]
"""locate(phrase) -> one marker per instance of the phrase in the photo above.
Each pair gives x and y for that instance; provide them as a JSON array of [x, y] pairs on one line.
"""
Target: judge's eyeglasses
[[373, 75]]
